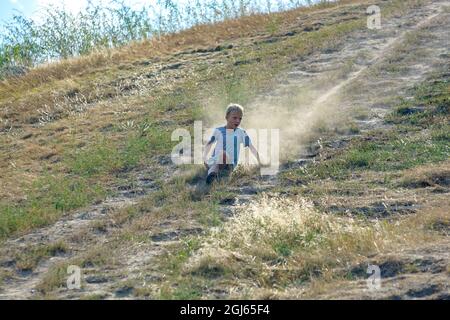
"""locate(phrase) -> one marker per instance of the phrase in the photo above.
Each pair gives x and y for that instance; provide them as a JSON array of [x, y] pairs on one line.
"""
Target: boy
[[228, 140]]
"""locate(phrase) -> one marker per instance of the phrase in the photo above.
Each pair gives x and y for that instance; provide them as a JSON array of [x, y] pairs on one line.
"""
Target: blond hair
[[234, 107]]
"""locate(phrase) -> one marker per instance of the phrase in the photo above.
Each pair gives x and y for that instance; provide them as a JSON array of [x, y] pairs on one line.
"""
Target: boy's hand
[[260, 164]]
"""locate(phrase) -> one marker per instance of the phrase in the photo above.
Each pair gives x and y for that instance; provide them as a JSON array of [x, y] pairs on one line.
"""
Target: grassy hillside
[[133, 107], [87, 179]]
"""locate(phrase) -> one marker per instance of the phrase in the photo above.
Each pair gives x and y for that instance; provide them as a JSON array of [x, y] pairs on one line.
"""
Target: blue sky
[[7, 7], [30, 7]]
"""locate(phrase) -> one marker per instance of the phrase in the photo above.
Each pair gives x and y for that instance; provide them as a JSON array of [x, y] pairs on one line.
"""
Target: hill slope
[[87, 178]]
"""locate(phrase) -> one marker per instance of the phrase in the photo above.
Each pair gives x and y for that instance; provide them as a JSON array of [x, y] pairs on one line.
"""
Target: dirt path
[[368, 84], [87, 227]]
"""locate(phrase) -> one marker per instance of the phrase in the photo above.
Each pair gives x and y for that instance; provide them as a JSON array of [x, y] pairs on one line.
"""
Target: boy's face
[[234, 119]]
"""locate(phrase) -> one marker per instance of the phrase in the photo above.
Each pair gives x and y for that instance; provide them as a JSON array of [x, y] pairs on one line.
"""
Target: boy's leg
[[223, 166], [226, 169], [212, 173], [213, 169]]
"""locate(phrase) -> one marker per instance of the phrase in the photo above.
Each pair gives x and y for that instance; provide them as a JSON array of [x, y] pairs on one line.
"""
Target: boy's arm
[[205, 154], [248, 143], [208, 145], [255, 153]]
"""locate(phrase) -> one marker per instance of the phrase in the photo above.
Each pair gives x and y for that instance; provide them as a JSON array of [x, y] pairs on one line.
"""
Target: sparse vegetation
[[402, 147], [124, 149], [285, 242], [30, 258], [59, 34], [275, 247], [50, 197], [79, 130]]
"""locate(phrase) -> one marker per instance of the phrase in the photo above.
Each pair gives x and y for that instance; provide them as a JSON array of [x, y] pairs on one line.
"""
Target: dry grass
[[283, 248], [275, 241], [427, 230], [56, 276], [29, 258], [427, 176], [195, 37], [108, 111], [290, 229]]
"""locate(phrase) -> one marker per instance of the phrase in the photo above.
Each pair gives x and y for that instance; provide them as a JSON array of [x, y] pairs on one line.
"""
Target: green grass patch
[[420, 135], [431, 105], [105, 157], [173, 262], [49, 198]]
